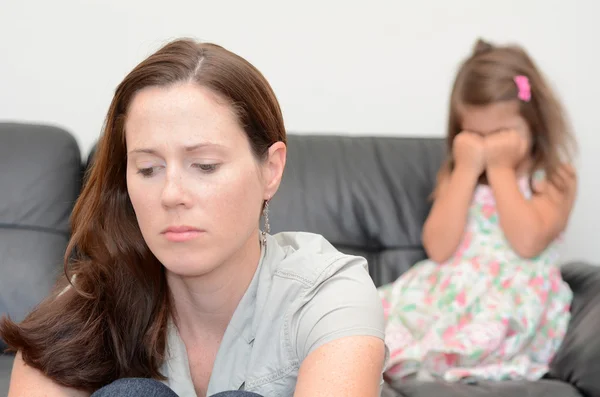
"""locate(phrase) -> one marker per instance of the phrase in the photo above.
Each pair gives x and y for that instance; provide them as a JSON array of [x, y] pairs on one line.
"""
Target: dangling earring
[[267, 228]]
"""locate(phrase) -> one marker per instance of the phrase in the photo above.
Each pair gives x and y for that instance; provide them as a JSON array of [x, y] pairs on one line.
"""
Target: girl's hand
[[505, 149], [468, 152]]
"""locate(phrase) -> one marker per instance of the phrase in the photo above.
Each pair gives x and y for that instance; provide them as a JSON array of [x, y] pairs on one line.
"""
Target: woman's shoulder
[[311, 257], [329, 294]]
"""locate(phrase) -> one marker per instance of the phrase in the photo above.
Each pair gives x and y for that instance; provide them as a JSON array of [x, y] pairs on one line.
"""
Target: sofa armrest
[[578, 359]]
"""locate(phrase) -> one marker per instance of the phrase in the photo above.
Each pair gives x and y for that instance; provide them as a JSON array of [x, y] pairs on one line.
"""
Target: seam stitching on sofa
[[41, 229]]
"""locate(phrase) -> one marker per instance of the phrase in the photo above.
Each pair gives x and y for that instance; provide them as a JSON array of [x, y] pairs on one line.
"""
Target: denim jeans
[[142, 387]]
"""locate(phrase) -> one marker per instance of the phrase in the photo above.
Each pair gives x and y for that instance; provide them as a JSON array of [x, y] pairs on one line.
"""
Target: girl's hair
[[111, 322], [487, 77]]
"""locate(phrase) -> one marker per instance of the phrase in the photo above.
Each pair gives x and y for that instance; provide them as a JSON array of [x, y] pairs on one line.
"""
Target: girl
[[490, 302]]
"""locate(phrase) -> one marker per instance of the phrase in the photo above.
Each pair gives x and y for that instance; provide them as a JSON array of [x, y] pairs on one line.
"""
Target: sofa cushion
[[578, 359], [39, 183], [6, 363], [366, 195], [542, 388]]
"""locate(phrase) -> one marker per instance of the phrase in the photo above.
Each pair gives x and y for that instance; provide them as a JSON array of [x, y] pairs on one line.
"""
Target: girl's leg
[[135, 387]]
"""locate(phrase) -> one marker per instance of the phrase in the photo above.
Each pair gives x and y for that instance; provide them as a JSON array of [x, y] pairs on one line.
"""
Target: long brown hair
[[111, 322], [486, 77]]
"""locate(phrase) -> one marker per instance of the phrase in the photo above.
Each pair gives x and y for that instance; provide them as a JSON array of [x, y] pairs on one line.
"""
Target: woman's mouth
[[181, 233]]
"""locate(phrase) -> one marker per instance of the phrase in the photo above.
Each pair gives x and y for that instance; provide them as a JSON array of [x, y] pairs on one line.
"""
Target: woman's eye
[[206, 167], [146, 172]]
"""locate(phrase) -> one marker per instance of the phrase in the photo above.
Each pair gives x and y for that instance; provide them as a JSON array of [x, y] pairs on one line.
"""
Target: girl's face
[[496, 117]]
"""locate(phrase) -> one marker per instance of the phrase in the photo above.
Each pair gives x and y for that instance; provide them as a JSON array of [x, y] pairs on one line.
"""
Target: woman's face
[[195, 185]]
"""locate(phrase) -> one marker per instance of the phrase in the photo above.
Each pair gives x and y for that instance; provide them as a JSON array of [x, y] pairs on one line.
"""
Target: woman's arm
[[27, 381], [445, 225], [530, 225], [348, 367], [338, 333]]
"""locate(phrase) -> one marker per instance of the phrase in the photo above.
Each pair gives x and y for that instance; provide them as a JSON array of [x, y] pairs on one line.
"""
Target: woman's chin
[[197, 263], [187, 269]]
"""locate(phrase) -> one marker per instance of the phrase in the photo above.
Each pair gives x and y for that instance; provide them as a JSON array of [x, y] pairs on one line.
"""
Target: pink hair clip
[[522, 83]]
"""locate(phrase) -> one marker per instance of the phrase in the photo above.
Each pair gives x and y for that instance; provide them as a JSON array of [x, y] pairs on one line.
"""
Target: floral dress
[[485, 313]]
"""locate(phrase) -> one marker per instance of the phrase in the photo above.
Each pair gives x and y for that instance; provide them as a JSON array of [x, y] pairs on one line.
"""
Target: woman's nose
[[174, 193]]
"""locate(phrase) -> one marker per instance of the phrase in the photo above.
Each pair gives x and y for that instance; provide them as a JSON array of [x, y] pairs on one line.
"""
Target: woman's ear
[[273, 168]]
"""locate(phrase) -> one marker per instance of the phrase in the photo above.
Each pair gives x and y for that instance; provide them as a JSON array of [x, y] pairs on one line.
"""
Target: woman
[[170, 287]]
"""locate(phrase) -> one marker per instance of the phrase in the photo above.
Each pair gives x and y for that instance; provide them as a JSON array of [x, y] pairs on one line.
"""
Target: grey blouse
[[304, 294]]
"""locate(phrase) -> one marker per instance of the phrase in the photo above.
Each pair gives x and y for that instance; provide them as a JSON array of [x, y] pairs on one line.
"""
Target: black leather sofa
[[367, 195], [40, 178]]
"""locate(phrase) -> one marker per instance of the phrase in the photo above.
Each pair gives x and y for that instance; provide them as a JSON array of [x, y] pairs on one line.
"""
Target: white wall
[[354, 67]]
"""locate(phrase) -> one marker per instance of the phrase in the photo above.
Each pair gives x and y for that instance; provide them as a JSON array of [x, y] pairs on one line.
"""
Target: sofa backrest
[[367, 195], [40, 173]]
